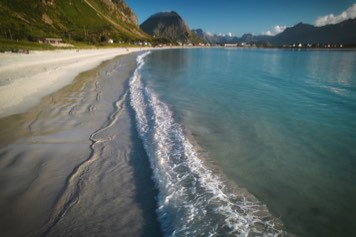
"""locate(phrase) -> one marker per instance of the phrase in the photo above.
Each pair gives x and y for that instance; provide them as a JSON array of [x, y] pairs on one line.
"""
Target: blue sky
[[239, 17]]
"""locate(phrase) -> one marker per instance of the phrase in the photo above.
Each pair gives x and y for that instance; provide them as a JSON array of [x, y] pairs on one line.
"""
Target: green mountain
[[169, 26], [91, 21]]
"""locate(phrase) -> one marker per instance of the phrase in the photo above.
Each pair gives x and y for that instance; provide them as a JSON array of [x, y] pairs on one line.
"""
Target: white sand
[[25, 79]]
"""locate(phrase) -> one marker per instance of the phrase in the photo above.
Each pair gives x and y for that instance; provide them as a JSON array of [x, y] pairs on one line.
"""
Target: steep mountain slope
[[81, 20], [169, 26], [342, 33]]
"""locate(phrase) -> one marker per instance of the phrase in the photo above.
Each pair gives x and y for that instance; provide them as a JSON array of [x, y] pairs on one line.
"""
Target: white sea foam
[[193, 201]]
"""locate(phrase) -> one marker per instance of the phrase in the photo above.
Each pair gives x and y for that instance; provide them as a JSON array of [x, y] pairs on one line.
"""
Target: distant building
[[56, 42], [110, 41], [52, 41], [230, 45]]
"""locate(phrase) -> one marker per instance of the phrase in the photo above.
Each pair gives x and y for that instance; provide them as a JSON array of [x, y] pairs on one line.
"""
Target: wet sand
[[73, 165]]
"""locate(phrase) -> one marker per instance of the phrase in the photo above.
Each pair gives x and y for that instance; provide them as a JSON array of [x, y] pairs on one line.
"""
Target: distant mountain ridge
[[230, 39], [213, 38], [81, 20], [341, 33], [169, 26]]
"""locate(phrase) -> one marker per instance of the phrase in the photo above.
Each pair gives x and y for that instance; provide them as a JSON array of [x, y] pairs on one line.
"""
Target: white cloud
[[275, 30], [350, 13], [268, 32]]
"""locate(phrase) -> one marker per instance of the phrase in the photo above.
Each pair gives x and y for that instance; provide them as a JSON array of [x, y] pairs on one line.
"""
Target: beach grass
[[24, 45], [14, 45]]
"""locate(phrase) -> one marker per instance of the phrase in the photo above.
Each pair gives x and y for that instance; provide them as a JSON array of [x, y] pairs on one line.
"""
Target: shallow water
[[279, 123]]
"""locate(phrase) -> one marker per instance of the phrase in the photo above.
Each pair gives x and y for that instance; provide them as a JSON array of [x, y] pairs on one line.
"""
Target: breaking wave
[[193, 200]]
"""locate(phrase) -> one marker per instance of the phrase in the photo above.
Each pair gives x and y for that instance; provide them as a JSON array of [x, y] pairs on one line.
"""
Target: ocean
[[188, 142], [250, 141]]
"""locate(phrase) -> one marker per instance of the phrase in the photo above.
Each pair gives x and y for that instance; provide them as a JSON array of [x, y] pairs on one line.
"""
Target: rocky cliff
[[169, 26]]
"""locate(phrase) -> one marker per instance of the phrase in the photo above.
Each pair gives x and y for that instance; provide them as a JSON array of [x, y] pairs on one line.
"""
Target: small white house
[[110, 41], [230, 45], [52, 41]]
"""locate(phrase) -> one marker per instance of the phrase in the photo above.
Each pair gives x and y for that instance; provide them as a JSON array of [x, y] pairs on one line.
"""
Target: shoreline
[[26, 78]]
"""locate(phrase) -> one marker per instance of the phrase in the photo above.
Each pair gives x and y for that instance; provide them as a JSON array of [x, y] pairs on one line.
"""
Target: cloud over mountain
[[350, 13], [275, 30]]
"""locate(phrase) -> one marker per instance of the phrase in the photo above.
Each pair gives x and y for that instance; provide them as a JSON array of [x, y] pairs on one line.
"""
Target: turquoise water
[[231, 133]]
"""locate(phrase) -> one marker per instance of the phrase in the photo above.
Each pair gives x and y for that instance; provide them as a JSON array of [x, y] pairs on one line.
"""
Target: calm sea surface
[[243, 140]]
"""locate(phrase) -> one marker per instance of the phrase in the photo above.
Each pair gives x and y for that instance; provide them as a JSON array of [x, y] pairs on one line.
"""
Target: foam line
[[192, 199]]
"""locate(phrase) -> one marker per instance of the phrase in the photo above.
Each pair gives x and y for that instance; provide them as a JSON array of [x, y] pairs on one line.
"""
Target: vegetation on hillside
[[89, 21]]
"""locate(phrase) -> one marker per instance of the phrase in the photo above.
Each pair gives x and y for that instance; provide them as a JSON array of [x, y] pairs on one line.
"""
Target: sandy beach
[[71, 163], [25, 79]]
